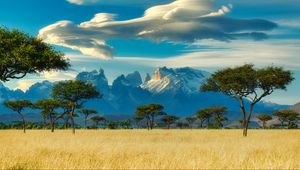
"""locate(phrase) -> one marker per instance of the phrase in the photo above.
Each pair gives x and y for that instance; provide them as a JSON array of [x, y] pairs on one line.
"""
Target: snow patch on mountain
[[187, 80]]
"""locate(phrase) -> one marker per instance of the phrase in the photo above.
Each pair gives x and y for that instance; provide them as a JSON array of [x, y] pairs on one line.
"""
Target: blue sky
[[203, 34]]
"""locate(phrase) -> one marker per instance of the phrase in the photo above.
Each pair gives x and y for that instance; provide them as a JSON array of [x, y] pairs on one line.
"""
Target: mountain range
[[177, 89]]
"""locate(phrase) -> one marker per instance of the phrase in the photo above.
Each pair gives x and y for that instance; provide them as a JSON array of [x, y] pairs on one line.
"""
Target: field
[[157, 149]]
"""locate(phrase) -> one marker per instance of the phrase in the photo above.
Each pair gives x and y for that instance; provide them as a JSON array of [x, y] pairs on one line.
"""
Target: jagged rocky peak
[[147, 78], [180, 79], [121, 81], [93, 75], [161, 72], [134, 78]]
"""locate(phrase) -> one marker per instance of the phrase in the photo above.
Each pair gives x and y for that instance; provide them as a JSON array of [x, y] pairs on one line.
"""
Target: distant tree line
[[22, 54]]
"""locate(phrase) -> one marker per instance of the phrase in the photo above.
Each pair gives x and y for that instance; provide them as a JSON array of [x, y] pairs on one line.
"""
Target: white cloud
[[117, 2], [81, 2], [180, 21], [276, 52], [24, 84]]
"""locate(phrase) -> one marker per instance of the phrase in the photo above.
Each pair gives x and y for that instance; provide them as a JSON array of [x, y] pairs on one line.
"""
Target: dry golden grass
[[157, 149]]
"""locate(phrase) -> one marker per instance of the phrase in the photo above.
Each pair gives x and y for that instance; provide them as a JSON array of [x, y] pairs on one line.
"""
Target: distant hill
[[175, 88], [296, 107]]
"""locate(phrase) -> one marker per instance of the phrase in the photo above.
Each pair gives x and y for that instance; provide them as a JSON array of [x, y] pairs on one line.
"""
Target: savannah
[[156, 149], [56, 114]]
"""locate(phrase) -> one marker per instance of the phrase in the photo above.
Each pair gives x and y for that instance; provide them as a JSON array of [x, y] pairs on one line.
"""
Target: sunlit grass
[[157, 149]]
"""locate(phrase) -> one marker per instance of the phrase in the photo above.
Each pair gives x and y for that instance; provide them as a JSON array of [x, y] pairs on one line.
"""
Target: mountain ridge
[[175, 88]]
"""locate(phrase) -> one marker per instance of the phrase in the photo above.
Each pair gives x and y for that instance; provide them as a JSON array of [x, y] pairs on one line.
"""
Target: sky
[[122, 36]]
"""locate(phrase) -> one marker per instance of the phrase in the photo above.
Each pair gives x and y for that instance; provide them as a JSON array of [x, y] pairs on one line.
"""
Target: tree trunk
[[264, 124], [242, 108], [23, 122], [73, 125], [152, 122], [52, 127], [85, 122], [248, 120], [207, 123]]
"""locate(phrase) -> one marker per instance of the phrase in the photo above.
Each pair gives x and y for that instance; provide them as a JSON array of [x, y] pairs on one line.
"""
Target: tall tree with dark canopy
[[97, 119], [21, 54], [76, 93], [86, 113], [150, 112], [169, 119], [264, 118], [205, 114], [219, 115], [49, 107], [19, 106], [247, 84], [288, 116]]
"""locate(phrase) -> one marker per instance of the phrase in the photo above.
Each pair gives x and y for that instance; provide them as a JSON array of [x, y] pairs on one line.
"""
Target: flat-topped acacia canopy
[[22, 54]]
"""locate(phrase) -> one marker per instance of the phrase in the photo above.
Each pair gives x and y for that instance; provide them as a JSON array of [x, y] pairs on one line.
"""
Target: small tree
[[138, 120], [76, 93], [205, 114], [219, 115], [245, 84], [289, 116], [264, 118], [169, 119], [98, 119], [201, 116], [21, 54], [48, 108], [19, 106], [125, 124], [150, 112], [86, 113], [190, 121]]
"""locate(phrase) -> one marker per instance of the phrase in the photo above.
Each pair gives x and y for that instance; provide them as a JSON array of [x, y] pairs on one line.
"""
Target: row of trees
[[67, 98], [21, 54]]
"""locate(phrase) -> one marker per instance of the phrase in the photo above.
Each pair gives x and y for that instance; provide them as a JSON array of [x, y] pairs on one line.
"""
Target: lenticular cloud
[[182, 21]]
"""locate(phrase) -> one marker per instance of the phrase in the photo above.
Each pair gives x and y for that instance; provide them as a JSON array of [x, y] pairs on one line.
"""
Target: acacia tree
[[169, 119], [205, 114], [288, 116], [19, 106], [264, 118], [48, 108], [247, 84], [150, 112], [191, 120], [21, 54], [86, 113], [219, 112], [74, 92], [97, 119], [201, 116], [138, 119]]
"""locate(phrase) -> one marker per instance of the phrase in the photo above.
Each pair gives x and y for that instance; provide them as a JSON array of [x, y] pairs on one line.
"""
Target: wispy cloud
[[271, 52], [182, 21]]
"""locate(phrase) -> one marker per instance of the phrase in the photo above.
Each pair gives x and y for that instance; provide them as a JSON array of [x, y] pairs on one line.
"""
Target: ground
[[156, 149]]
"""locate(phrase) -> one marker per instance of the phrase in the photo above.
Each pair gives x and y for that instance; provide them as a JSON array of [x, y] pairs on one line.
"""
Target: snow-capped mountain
[[186, 80], [176, 89]]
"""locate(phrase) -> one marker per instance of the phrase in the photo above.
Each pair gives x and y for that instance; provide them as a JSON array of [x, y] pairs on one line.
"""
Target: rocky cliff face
[[177, 89]]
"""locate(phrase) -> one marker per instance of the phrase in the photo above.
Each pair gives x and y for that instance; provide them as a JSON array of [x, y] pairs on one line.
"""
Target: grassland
[[157, 149]]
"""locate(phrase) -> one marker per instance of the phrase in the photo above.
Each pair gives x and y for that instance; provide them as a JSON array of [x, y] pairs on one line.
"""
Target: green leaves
[[245, 81], [152, 109], [21, 54], [18, 105], [74, 91], [264, 117]]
